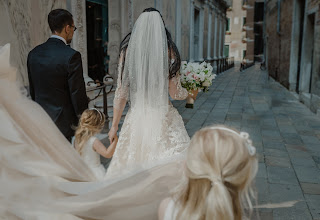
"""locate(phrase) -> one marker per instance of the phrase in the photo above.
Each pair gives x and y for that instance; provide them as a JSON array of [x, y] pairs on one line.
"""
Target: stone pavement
[[285, 132]]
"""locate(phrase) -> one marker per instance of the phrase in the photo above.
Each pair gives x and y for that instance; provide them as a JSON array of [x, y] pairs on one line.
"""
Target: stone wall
[[294, 52], [24, 25], [185, 30], [314, 7], [168, 12], [279, 44]]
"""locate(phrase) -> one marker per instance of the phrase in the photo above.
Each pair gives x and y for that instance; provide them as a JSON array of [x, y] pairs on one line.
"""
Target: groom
[[55, 74]]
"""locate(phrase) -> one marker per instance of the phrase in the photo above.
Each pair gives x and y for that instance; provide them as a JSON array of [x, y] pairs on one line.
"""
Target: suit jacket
[[57, 84]]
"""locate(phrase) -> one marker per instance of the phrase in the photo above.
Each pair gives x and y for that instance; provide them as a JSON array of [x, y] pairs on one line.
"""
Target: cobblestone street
[[285, 132]]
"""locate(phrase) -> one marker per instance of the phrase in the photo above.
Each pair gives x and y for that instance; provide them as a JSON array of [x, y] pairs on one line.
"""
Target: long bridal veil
[[146, 73], [43, 177]]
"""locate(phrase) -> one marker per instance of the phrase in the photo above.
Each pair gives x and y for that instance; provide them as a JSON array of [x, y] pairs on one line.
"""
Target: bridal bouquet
[[195, 76]]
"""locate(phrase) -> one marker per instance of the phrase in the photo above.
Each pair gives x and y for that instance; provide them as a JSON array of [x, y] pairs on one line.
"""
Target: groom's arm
[[76, 84]]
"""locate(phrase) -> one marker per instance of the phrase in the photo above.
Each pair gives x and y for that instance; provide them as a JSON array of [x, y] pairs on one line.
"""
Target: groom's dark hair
[[58, 19]]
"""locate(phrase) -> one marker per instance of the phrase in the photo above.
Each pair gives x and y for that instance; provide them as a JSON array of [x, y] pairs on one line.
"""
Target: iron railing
[[222, 64]]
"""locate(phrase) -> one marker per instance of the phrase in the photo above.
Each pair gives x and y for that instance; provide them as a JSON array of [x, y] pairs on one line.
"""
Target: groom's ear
[[67, 29]]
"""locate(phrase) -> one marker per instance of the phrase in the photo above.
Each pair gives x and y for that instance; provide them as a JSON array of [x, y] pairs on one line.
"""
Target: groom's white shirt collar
[[58, 37]]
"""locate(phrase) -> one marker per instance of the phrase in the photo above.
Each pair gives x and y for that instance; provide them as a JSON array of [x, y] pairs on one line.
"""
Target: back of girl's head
[[91, 122], [220, 167]]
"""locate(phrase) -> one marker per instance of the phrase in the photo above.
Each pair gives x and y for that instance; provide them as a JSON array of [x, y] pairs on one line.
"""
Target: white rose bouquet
[[196, 76]]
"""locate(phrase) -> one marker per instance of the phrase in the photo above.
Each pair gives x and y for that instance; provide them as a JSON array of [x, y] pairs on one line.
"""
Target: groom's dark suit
[[56, 83]]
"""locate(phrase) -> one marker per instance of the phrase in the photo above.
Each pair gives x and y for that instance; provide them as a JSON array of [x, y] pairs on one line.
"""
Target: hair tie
[[215, 180], [101, 117], [243, 135]]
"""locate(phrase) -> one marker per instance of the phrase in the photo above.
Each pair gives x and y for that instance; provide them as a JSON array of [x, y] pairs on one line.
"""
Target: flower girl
[[89, 147], [220, 168]]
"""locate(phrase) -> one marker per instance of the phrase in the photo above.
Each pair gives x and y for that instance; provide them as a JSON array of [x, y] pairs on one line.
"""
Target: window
[[244, 21], [226, 51], [228, 25], [244, 53]]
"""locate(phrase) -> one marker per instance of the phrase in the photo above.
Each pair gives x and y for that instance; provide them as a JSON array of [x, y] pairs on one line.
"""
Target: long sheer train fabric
[[43, 177]]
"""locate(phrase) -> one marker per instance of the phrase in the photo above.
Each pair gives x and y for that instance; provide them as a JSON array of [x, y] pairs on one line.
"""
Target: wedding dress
[[153, 129], [43, 177], [92, 158]]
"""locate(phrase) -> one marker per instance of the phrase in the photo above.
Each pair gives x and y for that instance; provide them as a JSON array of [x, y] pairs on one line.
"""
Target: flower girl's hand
[[112, 134]]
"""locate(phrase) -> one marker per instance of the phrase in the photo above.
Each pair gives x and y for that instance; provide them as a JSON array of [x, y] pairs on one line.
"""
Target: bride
[[147, 72]]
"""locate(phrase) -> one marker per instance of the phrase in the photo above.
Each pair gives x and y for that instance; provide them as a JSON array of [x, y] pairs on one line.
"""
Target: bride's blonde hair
[[91, 122], [220, 169]]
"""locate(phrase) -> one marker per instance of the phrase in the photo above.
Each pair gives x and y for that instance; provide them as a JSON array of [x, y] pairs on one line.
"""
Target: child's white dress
[[92, 158]]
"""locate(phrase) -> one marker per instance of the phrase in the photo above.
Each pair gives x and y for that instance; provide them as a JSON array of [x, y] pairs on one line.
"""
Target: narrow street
[[284, 131]]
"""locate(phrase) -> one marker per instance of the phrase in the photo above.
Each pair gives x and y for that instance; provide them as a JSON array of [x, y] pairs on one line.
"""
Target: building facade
[[197, 27], [235, 43], [248, 5], [293, 47]]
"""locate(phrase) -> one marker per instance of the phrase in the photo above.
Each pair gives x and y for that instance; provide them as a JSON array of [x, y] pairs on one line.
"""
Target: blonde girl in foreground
[[89, 147], [220, 168]]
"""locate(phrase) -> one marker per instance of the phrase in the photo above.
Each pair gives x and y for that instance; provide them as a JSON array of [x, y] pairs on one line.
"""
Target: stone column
[[201, 28], [220, 34], [224, 33], [79, 41], [216, 34], [191, 41], [178, 24], [209, 33], [114, 8], [216, 38]]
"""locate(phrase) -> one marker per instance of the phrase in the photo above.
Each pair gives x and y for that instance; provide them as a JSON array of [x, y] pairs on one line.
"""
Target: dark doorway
[[97, 38], [311, 21], [196, 33], [258, 31], [307, 55], [301, 7]]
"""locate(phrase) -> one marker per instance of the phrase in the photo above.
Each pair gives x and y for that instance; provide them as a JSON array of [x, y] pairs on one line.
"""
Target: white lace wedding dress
[[173, 140], [153, 130]]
